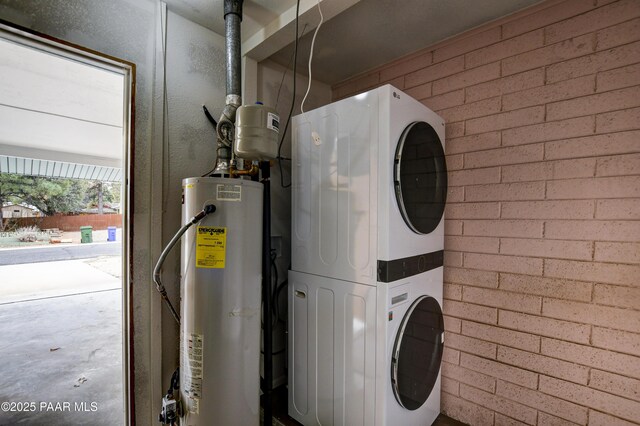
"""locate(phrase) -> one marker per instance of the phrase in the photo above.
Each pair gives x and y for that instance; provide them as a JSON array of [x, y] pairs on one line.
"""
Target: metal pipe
[[266, 294], [232, 19]]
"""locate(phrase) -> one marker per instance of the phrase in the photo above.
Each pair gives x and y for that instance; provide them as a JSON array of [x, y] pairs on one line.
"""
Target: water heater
[[220, 303]]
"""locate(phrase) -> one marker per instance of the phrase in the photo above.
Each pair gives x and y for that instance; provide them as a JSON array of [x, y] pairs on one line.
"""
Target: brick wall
[[69, 223], [542, 283]]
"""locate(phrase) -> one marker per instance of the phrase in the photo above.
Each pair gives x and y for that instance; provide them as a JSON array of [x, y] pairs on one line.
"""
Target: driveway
[[61, 344]]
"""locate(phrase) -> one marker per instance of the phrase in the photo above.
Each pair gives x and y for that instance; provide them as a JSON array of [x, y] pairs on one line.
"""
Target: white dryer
[[365, 290]]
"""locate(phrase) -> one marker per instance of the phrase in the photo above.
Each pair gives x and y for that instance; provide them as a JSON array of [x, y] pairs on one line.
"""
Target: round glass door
[[417, 353], [420, 177]]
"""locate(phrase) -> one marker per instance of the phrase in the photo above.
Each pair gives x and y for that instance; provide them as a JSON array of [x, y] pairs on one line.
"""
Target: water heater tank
[[257, 129], [220, 303]]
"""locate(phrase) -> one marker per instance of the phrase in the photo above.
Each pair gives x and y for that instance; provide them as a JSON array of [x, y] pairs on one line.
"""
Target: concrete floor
[[61, 343]]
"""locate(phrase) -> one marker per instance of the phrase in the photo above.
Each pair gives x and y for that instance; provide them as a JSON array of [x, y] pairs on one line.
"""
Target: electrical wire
[[313, 41], [293, 100], [284, 73]]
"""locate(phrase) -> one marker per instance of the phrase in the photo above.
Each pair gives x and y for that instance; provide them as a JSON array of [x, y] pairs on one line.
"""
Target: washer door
[[420, 177], [417, 353]]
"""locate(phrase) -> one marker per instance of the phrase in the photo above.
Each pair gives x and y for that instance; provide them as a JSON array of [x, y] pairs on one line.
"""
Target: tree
[[97, 193], [49, 195]]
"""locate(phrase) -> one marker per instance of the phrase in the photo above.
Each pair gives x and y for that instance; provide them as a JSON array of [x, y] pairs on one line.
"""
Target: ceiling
[[361, 37]]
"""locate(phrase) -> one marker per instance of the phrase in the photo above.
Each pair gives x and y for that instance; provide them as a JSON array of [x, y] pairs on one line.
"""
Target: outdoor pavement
[[61, 341]]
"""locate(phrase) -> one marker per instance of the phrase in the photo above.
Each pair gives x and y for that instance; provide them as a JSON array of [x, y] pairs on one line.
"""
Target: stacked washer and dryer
[[366, 331]]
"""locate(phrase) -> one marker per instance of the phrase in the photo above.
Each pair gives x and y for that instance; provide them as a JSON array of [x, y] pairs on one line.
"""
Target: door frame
[[44, 42]]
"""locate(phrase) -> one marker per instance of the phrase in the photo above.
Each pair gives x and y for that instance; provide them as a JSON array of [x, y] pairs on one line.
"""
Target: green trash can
[[86, 234]]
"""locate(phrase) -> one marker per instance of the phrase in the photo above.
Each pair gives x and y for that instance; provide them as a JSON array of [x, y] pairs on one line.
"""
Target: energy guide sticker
[[211, 244]]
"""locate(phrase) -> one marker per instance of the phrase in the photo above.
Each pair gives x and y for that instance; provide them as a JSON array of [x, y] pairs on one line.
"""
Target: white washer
[[365, 290]]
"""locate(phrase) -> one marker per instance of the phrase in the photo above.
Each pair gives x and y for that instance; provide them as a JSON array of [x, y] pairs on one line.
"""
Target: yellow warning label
[[211, 244]]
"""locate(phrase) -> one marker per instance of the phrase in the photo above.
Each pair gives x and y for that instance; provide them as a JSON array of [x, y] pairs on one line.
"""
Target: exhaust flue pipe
[[233, 100]]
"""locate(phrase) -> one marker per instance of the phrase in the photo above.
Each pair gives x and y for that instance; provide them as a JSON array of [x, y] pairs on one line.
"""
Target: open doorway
[[65, 143]]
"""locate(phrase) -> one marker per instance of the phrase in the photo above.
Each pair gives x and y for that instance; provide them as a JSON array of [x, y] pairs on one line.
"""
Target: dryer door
[[420, 177], [417, 353]]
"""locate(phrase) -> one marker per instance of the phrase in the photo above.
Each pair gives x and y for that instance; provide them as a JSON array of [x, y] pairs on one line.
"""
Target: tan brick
[[504, 49], [452, 291], [472, 244], [452, 324], [620, 319], [618, 165], [452, 258], [528, 172], [467, 78], [474, 176], [455, 162], [551, 287], [601, 419], [613, 295], [540, 401], [508, 155], [618, 78], [593, 104], [471, 110], [558, 249], [545, 419], [356, 85], [465, 411], [499, 404], [543, 364], [574, 209], [506, 120], [616, 121], [403, 67], [397, 82], [618, 252], [545, 326], [454, 130], [470, 377], [470, 311], [502, 336], [593, 20], [450, 386], [499, 298], [446, 100], [544, 17], [452, 227], [502, 420], [615, 384], [504, 228], [599, 187], [502, 86], [473, 143], [574, 168], [419, 92], [591, 64], [600, 230], [549, 55], [455, 194], [608, 273], [470, 345], [556, 130], [434, 72], [592, 398], [602, 359], [451, 356], [550, 93], [618, 209], [471, 277], [467, 44], [505, 191]]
